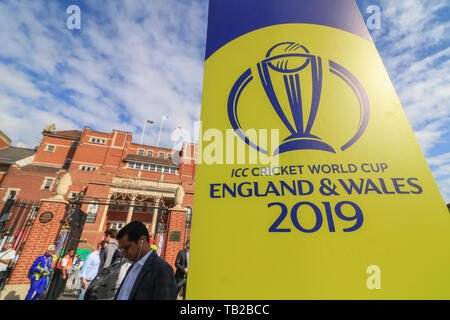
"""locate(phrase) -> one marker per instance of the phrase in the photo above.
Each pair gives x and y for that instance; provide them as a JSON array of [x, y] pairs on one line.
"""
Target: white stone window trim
[[151, 167], [88, 168], [97, 140], [115, 224], [8, 191], [45, 182], [50, 146]]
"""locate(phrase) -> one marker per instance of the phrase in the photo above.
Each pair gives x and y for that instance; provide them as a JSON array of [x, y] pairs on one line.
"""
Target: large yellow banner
[[310, 182]]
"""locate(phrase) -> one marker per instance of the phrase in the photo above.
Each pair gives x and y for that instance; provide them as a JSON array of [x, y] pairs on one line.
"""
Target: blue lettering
[[292, 190], [213, 190], [232, 192], [383, 186], [255, 184], [300, 188], [370, 186], [397, 185], [249, 191], [416, 186], [253, 172], [271, 189], [264, 171], [349, 189]]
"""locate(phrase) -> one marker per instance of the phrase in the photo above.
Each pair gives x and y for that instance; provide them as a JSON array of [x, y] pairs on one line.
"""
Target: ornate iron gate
[[68, 238], [16, 219]]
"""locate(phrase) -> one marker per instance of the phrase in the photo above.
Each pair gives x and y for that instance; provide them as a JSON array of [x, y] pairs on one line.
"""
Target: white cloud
[[131, 61], [414, 45]]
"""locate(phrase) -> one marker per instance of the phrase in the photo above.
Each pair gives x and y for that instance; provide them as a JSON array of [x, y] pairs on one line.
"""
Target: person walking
[[74, 281], [39, 273], [150, 277], [7, 255], [110, 252], [182, 263], [89, 270]]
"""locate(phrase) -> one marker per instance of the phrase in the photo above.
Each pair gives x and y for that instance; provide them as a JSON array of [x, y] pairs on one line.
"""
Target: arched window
[[188, 217]]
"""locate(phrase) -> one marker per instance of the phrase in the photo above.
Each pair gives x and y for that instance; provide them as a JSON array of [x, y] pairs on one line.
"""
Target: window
[[145, 167], [188, 217], [48, 183], [169, 156], [67, 162], [138, 166], [92, 211], [173, 170], [166, 169], [159, 168], [150, 153], [12, 194], [141, 152], [161, 155], [116, 225], [152, 167], [98, 140], [88, 168], [131, 165], [74, 144], [50, 148]]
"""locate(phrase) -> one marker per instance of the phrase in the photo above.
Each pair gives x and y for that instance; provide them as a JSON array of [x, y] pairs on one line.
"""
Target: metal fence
[[16, 219]]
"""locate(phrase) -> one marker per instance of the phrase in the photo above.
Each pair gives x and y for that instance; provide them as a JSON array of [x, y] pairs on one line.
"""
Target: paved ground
[[73, 295]]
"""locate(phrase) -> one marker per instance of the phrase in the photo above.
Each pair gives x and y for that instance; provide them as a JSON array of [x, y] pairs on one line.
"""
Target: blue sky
[[141, 59]]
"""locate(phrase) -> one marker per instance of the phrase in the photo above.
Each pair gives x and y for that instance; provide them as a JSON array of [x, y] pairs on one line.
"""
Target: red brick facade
[[107, 167], [41, 235]]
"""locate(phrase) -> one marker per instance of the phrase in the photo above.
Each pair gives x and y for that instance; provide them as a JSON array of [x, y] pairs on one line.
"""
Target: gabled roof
[[40, 168], [10, 154], [71, 134]]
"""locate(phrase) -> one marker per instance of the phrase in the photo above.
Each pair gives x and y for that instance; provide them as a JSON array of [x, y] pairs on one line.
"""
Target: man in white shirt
[[89, 270], [150, 277]]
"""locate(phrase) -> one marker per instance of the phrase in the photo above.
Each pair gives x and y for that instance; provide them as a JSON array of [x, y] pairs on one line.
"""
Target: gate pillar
[[42, 234], [175, 235]]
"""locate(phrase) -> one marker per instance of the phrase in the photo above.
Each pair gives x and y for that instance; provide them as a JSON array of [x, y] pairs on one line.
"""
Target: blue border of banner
[[230, 19]]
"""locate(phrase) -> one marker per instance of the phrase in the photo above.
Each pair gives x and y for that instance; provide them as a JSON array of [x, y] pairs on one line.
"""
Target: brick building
[[121, 181]]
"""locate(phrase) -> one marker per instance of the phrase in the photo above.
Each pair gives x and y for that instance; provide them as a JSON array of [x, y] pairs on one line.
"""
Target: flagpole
[[160, 129], [143, 130]]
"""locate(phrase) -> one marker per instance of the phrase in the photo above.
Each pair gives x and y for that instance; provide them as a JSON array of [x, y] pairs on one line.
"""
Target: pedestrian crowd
[[124, 266]]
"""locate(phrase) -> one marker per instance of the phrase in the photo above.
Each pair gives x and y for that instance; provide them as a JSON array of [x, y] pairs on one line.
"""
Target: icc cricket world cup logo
[[290, 64]]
